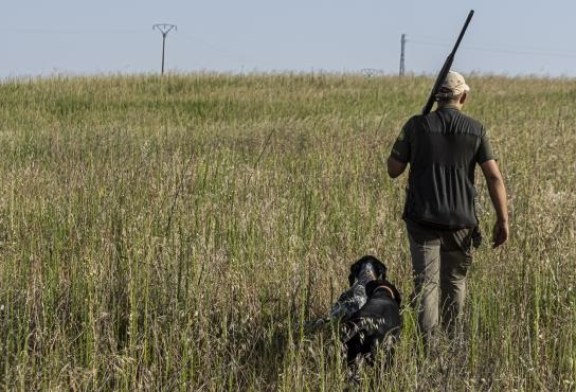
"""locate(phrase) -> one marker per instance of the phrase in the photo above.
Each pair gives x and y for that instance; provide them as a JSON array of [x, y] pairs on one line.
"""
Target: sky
[[44, 38]]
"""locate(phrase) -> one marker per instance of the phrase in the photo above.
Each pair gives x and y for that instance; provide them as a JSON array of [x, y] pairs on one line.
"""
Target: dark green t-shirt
[[442, 148]]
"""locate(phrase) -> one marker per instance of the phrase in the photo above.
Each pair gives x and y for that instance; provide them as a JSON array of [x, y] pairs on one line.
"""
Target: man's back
[[442, 148]]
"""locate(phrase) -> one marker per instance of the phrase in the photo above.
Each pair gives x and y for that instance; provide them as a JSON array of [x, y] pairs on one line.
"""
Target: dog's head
[[366, 269], [363, 271]]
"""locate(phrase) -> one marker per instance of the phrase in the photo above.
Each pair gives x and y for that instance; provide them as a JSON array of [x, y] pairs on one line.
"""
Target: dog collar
[[388, 289]]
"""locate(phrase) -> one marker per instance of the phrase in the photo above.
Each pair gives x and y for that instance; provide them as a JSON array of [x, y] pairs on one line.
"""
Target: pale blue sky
[[71, 37]]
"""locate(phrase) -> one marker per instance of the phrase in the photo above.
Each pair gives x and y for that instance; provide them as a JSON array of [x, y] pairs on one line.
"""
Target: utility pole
[[164, 28], [402, 47]]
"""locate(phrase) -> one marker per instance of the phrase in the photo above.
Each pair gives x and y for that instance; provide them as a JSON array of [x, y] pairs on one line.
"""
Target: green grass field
[[175, 233]]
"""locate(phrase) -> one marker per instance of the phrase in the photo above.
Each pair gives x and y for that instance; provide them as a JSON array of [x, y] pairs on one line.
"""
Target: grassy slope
[[174, 233]]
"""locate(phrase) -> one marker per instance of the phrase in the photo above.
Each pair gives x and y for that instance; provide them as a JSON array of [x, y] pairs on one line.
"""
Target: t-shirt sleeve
[[401, 147], [485, 150]]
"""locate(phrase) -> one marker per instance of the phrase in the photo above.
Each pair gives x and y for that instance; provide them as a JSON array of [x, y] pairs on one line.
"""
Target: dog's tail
[[313, 326]]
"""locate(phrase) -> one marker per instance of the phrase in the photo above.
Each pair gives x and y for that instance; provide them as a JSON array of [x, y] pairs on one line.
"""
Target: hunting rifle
[[446, 67]]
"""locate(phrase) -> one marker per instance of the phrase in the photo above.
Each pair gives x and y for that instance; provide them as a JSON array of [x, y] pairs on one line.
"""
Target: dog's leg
[[353, 377]]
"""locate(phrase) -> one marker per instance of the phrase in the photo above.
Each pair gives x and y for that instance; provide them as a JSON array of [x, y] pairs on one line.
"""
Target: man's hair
[[448, 98]]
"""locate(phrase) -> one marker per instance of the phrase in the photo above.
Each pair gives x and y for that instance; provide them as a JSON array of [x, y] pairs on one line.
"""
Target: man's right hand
[[497, 192]]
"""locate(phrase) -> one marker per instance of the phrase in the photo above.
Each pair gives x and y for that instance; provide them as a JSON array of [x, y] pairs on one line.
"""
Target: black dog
[[375, 326], [369, 312]]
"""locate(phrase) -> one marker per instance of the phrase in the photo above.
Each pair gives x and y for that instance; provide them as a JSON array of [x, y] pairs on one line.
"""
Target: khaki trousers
[[440, 262]]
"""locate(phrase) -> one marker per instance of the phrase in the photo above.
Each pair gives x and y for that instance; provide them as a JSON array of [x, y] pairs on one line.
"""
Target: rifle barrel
[[446, 67]]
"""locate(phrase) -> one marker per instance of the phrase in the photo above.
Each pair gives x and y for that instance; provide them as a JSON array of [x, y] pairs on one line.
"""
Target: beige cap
[[453, 85]]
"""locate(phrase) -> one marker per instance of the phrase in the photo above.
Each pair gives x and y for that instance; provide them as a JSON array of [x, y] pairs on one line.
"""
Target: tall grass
[[175, 233]]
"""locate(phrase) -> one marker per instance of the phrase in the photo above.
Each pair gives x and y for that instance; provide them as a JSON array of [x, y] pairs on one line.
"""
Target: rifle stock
[[446, 67]]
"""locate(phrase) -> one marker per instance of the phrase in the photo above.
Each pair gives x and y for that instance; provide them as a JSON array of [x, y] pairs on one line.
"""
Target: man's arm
[[497, 192], [395, 167]]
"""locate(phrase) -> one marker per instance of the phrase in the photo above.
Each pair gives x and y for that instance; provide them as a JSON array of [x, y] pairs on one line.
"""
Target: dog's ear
[[380, 268], [352, 275], [355, 270]]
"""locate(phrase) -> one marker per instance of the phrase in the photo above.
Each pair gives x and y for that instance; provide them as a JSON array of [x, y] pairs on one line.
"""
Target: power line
[[69, 32], [493, 49]]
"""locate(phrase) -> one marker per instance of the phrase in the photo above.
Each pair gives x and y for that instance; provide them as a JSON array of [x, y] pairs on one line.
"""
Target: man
[[443, 148]]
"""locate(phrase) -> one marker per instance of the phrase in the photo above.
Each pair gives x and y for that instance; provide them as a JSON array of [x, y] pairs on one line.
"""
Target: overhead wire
[[518, 49]]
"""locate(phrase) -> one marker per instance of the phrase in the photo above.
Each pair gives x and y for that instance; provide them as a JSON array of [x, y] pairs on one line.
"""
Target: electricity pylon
[[164, 28]]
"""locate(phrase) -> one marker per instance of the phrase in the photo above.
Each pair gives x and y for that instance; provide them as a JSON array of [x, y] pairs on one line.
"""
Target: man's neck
[[450, 105]]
